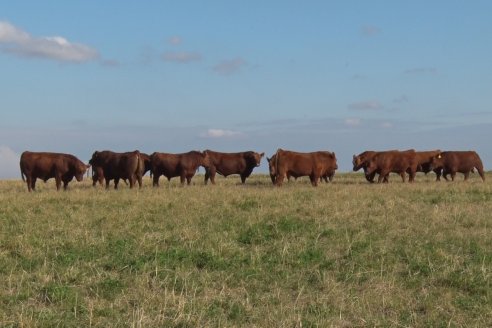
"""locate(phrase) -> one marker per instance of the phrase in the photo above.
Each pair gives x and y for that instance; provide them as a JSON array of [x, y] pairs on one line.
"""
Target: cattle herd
[[320, 165]]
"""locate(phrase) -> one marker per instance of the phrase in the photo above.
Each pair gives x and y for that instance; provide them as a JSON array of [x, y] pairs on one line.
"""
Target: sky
[[173, 76]]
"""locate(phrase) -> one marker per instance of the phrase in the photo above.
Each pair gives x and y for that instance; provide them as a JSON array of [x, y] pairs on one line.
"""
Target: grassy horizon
[[344, 254]]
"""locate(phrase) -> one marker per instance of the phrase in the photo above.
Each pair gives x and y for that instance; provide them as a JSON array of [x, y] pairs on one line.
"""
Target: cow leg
[[65, 185], [445, 175], [279, 179], [466, 174], [58, 181], [453, 175], [155, 180], [314, 180], [382, 176], [116, 181], [107, 183], [212, 173], [188, 179], [438, 175], [402, 174], [370, 177], [207, 175], [132, 181], [243, 179], [31, 183], [182, 178]]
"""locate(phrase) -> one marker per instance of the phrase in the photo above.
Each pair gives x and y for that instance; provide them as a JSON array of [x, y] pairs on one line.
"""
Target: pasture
[[343, 254]]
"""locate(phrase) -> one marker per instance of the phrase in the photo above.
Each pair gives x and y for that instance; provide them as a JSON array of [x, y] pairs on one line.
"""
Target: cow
[[271, 168], [401, 162], [177, 165], [225, 164], [424, 159], [108, 165], [98, 175], [42, 165], [361, 161], [457, 161], [316, 165]]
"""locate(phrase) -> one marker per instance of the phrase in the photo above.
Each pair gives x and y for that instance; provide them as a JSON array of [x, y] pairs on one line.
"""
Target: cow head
[[80, 169], [94, 159], [357, 162], [437, 162], [258, 158], [205, 159]]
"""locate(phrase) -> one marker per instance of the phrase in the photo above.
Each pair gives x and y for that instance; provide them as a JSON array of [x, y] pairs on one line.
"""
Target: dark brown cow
[[315, 165], [177, 165], [109, 165], [457, 161], [226, 164], [62, 167], [424, 159], [98, 174], [401, 162]]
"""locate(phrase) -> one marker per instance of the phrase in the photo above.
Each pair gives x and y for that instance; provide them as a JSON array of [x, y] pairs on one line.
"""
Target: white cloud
[[9, 163], [352, 122], [387, 125], [181, 57], [20, 43], [230, 66], [366, 105], [219, 133]]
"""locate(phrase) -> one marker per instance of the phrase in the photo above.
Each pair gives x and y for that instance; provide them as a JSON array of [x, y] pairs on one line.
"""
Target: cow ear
[[262, 154], [353, 157], [268, 159]]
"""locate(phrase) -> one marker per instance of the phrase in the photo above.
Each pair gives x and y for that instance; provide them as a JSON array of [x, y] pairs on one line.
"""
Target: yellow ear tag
[[439, 156]]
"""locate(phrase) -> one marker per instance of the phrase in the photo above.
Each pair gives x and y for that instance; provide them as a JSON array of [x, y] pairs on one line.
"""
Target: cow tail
[[276, 163], [22, 174]]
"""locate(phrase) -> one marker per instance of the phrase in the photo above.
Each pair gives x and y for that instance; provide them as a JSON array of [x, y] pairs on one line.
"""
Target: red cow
[[62, 167], [177, 165], [315, 165], [457, 161], [226, 164], [109, 166]]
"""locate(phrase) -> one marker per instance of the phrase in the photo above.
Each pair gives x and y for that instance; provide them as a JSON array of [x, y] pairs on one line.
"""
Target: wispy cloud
[[421, 70], [181, 57], [370, 30], [220, 133], [17, 42], [175, 40], [401, 99], [230, 66], [386, 125], [352, 122], [366, 105], [110, 63]]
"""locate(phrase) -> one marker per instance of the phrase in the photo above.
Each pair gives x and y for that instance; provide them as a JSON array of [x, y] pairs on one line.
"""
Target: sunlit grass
[[344, 254]]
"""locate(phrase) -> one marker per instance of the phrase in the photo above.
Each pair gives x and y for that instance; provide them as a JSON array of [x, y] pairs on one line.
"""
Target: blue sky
[[174, 76]]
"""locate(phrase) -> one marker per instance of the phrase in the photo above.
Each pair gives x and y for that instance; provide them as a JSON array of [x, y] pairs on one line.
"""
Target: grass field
[[344, 254]]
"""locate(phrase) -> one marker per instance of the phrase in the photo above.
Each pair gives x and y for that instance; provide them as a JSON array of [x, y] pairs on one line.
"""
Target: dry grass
[[344, 254]]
